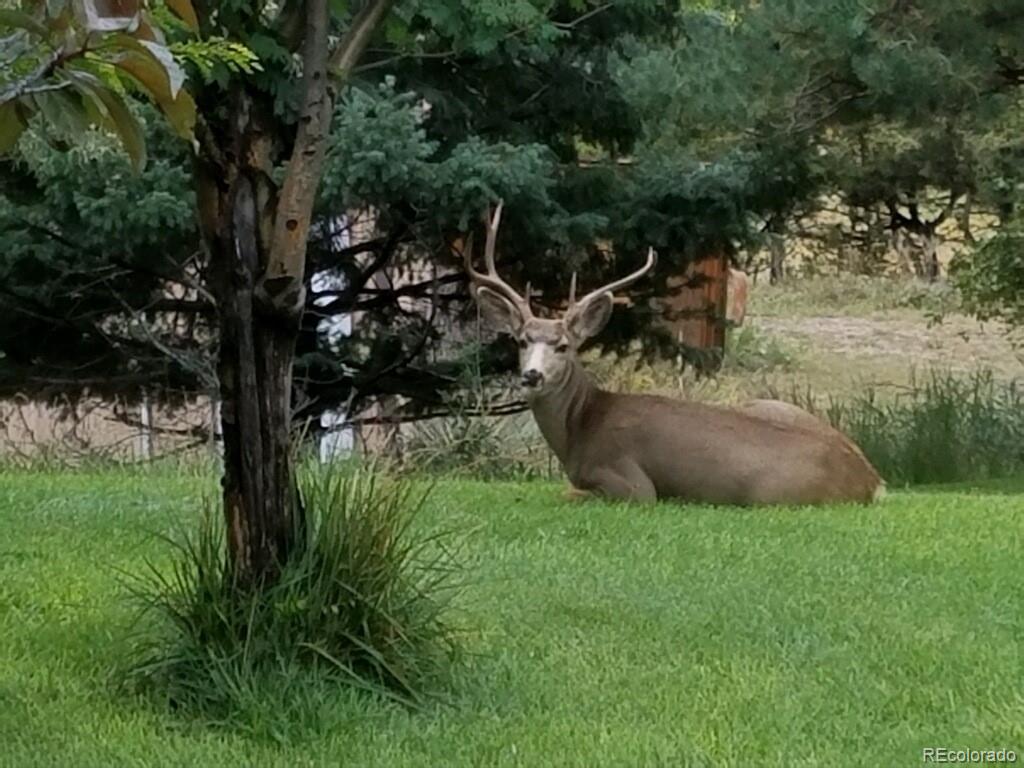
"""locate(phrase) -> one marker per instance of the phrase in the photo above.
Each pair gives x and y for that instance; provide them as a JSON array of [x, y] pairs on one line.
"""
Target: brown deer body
[[645, 447]]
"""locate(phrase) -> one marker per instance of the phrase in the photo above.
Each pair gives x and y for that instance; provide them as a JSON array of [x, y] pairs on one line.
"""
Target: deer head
[[547, 347]]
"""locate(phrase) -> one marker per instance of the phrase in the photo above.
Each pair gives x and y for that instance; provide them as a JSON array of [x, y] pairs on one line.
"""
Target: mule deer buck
[[645, 447]]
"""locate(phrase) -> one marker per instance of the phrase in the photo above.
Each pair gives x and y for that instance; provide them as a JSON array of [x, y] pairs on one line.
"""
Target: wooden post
[[146, 431], [216, 436], [696, 303]]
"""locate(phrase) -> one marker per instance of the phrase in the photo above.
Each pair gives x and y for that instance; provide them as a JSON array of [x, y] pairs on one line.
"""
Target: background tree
[[75, 62], [426, 171], [101, 263], [261, 149], [887, 108], [605, 129]]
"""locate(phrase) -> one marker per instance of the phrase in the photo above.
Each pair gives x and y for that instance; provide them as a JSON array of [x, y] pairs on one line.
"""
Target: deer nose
[[532, 377]]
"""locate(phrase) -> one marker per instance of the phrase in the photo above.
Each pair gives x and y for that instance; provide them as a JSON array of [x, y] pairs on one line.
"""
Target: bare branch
[[569, 25], [34, 82], [502, 409], [355, 40]]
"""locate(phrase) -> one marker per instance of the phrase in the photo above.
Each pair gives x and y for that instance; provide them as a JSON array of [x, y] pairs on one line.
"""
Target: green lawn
[[600, 635]]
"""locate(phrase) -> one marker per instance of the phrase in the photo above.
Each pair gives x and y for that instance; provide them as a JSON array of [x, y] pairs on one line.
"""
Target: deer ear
[[499, 313], [590, 318]]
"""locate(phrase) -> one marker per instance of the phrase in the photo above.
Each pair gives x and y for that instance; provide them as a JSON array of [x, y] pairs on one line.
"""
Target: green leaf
[[397, 32], [11, 126], [63, 111], [181, 114], [183, 10], [107, 108], [126, 127], [21, 20], [87, 84], [175, 74], [152, 65]]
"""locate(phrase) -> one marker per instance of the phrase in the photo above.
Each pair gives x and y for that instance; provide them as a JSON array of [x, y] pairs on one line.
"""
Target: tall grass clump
[[484, 447], [475, 439], [364, 605], [944, 428]]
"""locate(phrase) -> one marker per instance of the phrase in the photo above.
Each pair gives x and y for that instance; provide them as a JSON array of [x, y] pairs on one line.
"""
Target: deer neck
[[558, 410]]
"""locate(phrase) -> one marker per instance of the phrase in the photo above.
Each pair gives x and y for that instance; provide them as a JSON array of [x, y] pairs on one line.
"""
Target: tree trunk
[[257, 351], [238, 205], [776, 250], [930, 263], [964, 218], [255, 233], [777, 267], [906, 254]]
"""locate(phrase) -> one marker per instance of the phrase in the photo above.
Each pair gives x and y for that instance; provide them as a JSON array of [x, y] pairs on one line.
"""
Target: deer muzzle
[[532, 378]]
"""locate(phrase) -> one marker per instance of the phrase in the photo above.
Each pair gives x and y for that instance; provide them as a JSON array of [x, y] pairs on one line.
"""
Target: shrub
[[751, 351], [485, 447], [363, 605], [934, 299], [942, 429], [465, 443], [991, 275]]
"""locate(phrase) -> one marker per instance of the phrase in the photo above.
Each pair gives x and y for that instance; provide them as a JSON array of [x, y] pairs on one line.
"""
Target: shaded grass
[[603, 635]]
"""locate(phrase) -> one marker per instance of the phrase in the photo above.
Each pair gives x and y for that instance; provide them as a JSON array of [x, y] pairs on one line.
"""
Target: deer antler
[[491, 280], [614, 285]]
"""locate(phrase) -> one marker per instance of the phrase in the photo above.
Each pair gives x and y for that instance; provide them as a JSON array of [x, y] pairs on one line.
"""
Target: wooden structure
[[695, 306]]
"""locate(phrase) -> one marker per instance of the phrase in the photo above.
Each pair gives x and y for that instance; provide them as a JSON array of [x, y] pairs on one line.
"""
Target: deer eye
[[523, 344], [563, 347]]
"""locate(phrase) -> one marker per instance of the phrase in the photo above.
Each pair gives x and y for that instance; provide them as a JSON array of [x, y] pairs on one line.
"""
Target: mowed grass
[[597, 634]]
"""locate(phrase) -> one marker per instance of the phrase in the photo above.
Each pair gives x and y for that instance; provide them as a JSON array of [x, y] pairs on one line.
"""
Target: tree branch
[[356, 279], [34, 81], [501, 409], [294, 211], [355, 40], [281, 289]]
